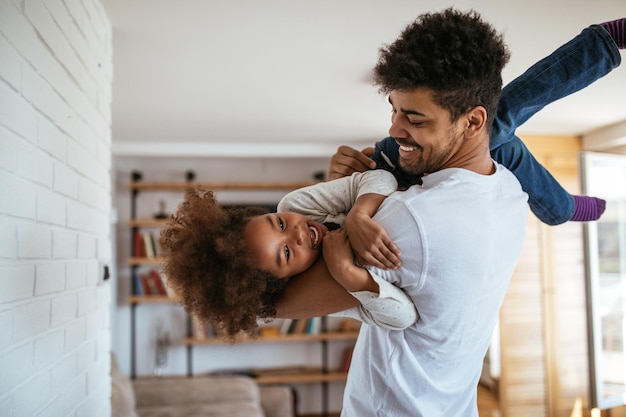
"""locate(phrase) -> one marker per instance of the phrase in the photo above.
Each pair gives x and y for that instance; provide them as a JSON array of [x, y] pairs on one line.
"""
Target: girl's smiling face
[[284, 244]]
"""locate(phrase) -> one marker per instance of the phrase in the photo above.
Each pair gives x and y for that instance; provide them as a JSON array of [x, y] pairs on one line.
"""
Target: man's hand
[[346, 161], [370, 242]]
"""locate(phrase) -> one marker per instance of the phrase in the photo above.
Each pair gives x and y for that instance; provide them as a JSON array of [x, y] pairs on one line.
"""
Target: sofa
[[222, 396]]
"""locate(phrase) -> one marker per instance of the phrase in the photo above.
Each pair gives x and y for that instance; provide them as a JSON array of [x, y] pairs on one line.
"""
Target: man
[[460, 233], [573, 66]]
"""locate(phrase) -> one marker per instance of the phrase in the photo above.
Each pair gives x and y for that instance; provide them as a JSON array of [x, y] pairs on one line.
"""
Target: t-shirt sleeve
[[391, 308]]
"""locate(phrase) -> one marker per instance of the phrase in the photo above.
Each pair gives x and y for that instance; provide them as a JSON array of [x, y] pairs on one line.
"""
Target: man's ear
[[476, 120]]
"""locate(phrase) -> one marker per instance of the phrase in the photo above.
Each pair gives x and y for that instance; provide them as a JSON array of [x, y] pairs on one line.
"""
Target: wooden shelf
[[219, 185], [145, 299], [304, 378], [276, 377], [288, 338], [144, 261], [148, 223]]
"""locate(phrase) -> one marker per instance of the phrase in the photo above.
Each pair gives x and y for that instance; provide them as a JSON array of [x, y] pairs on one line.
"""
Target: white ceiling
[[290, 77]]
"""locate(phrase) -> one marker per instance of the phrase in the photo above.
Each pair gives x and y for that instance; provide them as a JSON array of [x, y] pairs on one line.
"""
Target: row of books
[[310, 326], [150, 282], [146, 244], [200, 330]]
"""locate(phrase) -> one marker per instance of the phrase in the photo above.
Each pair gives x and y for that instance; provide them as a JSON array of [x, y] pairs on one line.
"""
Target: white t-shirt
[[461, 235]]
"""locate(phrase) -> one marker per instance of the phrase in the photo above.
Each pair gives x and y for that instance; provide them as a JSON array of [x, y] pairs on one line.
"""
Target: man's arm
[[313, 293]]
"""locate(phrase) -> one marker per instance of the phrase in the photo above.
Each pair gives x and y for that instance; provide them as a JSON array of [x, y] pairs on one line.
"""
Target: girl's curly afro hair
[[209, 267]]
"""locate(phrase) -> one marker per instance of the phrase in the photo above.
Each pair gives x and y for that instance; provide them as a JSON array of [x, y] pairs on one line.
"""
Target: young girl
[[227, 265]]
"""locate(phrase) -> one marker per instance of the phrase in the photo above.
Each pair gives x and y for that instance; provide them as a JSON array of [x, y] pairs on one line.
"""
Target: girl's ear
[[476, 120]]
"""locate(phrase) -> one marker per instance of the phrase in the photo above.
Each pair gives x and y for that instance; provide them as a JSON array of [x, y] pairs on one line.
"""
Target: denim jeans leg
[[553, 204], [572, 67]]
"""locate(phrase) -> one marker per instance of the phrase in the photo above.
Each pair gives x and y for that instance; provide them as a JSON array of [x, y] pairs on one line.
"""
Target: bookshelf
[[138, 261]]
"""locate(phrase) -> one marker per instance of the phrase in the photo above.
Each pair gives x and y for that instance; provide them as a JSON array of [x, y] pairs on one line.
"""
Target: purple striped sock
[[617, 30], [587, 208]]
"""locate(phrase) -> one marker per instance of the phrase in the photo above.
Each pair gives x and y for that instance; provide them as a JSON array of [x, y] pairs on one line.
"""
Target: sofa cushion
[[278, 401], [122, 395], [197, 390], [222, 409]]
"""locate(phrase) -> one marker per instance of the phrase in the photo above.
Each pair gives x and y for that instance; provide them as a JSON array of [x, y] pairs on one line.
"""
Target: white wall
[[55, 199]]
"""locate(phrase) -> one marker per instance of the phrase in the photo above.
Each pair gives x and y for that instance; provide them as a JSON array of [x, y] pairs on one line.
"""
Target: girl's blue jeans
[[570, 68]]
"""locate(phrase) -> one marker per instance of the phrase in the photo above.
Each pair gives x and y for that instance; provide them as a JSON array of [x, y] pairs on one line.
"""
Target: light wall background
[[55, 205]]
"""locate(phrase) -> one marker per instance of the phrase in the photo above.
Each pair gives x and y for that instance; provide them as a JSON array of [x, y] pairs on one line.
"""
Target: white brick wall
[[55, 208]]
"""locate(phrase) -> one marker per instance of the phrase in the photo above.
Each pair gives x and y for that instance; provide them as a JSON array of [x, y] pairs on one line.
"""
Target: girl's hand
[[339, 260], [337, 252]]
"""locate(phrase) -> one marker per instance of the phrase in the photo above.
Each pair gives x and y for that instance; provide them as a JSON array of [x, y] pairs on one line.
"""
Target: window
[[604, 175]]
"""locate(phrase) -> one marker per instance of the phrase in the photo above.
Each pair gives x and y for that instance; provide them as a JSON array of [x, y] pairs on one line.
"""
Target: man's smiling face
[[428, 139]]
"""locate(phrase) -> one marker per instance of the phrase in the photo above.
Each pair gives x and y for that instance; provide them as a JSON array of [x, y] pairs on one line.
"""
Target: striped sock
[[617, 30], [587, 208]]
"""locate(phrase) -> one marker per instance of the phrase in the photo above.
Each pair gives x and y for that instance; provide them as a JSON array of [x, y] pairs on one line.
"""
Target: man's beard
[[420, 165], [416, 165]]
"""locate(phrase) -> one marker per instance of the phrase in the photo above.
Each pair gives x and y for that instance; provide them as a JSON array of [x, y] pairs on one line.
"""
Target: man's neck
[[474, 155]]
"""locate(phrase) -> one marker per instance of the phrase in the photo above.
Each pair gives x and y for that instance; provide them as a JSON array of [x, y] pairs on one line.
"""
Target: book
[[138, 245], [145, 285], [197, 328], [156, 278], [313, 326], [168, 290], [148, 245], [300, 326], [284, 327], [201, 330], [292, 326], [158, 249], [137, 285]]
